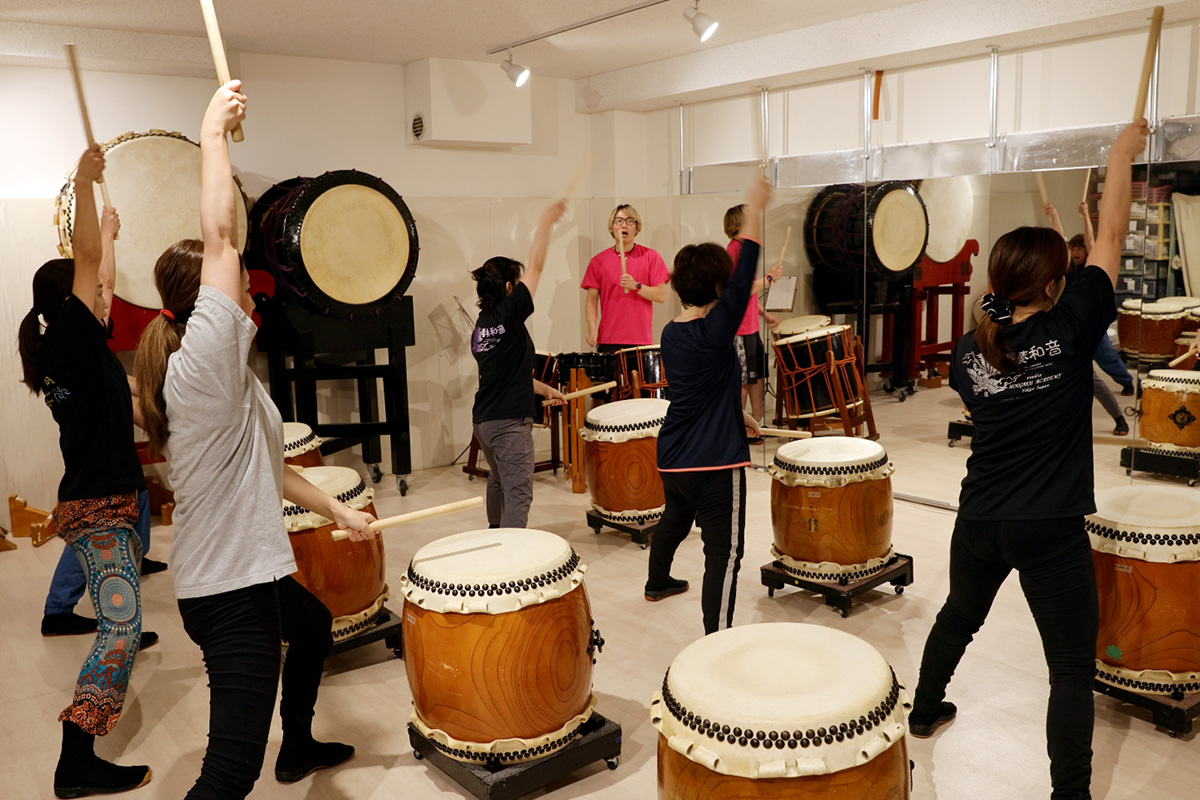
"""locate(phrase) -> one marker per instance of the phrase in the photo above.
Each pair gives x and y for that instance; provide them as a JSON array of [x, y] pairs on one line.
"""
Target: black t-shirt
[[704, 428], [504, 351], [1031, 451], [88, 393]]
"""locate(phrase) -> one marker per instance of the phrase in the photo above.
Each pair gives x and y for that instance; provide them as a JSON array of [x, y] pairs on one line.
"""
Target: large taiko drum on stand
[[950, 207], [153, 181], [620, 451], [831, 508], [344, 242], [884, 227], [498, 644], [805, 378], [1146, 550], [301, 447], [647, 362], [831, 728], [1171, 408], [347, 576]]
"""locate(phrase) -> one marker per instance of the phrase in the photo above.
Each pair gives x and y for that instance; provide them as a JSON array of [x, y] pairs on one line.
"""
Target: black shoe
[[98, 777], [150, 566], [923, 726], [1122, 428], [67, 624], [673, 587], [149, 639], [291, 766], [1127, 391]]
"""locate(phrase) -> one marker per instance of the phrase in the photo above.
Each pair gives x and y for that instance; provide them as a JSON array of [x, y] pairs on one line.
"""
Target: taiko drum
[[831, 508], [835, 731], [1171, 408], [1146, 551], [498, 644], [621, 460], [347, 576], [301, 447]]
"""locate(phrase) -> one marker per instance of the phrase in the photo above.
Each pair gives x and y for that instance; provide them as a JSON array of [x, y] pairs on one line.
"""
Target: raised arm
[[85, 233], [1052, 214], [221, 268], [1114, 203], [1089, 233], [110, 224], [541, 242]]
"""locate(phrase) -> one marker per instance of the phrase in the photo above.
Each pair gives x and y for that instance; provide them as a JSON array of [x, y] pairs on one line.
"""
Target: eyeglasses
[[625, 222]]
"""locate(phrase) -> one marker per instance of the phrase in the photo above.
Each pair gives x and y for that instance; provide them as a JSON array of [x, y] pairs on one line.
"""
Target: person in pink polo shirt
[[751, 354], [618, 318]]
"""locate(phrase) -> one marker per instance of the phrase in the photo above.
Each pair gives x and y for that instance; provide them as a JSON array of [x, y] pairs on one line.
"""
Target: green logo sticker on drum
[[1113, 652]]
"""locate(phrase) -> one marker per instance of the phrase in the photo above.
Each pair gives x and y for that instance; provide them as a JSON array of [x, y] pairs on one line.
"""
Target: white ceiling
[[645, 59]]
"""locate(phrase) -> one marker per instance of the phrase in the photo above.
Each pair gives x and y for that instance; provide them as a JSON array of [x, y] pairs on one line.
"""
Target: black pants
[[1054, 561], [716, 501], [239, 634]]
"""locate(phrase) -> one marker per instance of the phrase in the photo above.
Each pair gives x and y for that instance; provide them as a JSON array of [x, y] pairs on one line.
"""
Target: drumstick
[[786, 433], [414, 516], [87, 122], [1139, 106], [604, 387], [218, 53], [585, 164], [787, 237], [1175, 362], [1042, 187], [621, 250], [1087, 184]]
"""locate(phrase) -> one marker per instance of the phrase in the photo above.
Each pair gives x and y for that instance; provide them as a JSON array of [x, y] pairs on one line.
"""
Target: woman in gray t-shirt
[[224, 440]]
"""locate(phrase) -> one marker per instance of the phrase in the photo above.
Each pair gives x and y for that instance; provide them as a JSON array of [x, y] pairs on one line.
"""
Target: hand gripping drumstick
[[87, 123], [603, 387], [785, 433], [414, 516], [1139, 106], [218, 53]]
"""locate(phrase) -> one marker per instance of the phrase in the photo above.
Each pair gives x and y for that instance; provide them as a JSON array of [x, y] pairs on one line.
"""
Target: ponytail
[[994, 349], [51, 286]]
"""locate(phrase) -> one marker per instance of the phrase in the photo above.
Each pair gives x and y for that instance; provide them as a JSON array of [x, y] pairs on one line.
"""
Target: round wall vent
[[418, 126]]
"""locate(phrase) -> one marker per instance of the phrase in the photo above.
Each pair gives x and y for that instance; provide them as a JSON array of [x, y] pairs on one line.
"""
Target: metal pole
[[994, 111], [682, 186]]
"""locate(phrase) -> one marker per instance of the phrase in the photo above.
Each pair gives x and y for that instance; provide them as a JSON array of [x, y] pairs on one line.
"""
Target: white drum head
[[625, 419], [1150, 523], [830, 461], [342, 482], [833, 680], [795, 325], [354, 243], [950, 205], [491, 571], [1132, 304], [899, 230], [154, 183], [1163, 310], [1178, 302], [298, 438], [817, 333]]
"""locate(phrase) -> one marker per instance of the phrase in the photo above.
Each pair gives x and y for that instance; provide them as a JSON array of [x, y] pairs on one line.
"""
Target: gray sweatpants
[[507, 445], [1104, 394]]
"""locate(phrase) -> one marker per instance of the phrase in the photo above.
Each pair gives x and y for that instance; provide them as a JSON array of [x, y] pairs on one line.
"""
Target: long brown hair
[[51, 286], [1022, 262], [177, 277]]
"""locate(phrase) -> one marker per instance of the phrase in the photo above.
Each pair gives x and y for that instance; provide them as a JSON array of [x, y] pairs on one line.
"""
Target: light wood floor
[[995, 749]]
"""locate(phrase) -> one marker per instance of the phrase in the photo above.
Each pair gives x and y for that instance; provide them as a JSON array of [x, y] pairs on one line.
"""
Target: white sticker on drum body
[[1124, 568], [812, 493]]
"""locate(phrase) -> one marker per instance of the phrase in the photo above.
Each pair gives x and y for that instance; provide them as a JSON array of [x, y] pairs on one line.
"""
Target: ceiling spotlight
[[703, 25], [515, 72]]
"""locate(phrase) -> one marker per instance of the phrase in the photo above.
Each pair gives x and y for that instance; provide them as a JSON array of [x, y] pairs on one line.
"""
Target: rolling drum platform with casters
[[831, 513], [958, 428], [621, 458], [1146, 551], [346, 576], [342, 248], [502, 643], [1170, 422]]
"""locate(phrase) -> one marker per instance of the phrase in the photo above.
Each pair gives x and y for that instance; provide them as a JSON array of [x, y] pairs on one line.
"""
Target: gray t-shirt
[[225, 456]]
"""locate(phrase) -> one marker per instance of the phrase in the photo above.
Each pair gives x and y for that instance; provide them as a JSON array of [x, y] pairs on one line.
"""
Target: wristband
[[639, 286]]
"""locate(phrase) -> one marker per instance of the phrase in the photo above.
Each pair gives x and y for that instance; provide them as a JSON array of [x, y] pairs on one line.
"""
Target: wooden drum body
[[301, 447], [348, 577], [1161, 324], [831, 508], [499, 641], [836, 733], [1171, 408], [1146, 551], [1129, 323], [621, 455]]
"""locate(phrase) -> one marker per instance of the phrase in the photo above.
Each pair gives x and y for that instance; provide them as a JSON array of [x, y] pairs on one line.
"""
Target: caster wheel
[[643, 545], [902, 396], [1173, 734], [770, 591], [375, 473], [596, 531], [612, 763], [1128, 472], [402, 486], [845, 612], [472, 477], [889, 388], [898, 589], [418, 756], [1191, 481], [951, 442]]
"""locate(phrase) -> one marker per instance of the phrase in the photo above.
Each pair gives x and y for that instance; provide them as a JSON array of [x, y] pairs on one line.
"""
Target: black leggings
[[716, 501], [1054, 561], [239, 633]]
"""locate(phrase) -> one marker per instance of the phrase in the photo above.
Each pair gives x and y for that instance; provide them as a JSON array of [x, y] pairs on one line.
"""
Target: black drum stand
[[898, 572], [326, 348], [957, 429], [640, 533], [1162, 462], [385, 625], [1173, 712], [598, 739]]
